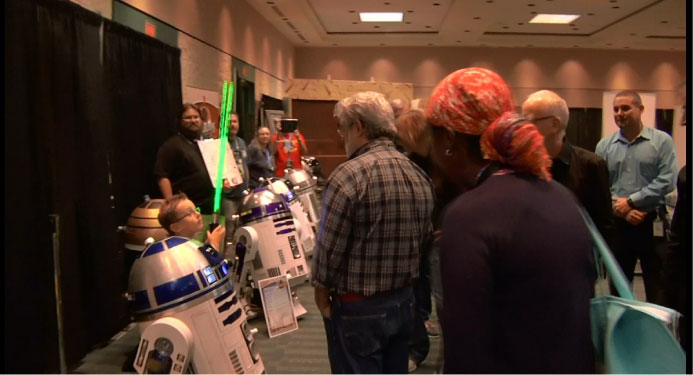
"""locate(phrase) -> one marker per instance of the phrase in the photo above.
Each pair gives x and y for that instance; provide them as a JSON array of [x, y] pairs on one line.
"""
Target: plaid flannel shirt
[[375, 216]]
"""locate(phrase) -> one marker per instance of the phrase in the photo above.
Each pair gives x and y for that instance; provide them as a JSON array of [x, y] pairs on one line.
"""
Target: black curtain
[[143, 77], [69, 131], [585, 127], [664, 120], [55, 153], [245, 107]]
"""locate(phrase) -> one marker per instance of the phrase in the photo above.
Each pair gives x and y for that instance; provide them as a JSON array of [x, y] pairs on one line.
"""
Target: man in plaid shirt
[[375, 216]]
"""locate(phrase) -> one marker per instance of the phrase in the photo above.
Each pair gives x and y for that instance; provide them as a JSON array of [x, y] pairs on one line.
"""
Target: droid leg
[[165, 348]]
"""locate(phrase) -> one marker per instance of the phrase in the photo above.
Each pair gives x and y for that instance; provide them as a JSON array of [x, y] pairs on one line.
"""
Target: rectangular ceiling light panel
[[554, 18], [381, 16]]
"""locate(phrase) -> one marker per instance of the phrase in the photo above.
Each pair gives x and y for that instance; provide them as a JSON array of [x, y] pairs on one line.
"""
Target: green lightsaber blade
[[227, 103]]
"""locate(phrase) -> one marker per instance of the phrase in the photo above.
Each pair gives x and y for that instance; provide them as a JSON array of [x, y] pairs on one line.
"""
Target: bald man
[[583, 172]]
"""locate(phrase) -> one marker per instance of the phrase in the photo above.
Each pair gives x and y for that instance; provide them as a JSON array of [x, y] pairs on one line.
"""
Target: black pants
[[631, 243]]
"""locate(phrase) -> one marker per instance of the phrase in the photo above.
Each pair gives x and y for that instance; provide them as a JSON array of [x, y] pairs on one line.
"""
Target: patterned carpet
[[303, 351]]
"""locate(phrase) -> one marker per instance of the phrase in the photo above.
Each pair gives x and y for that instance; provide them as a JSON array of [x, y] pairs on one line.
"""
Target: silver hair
[[371, 108], [551, 104]]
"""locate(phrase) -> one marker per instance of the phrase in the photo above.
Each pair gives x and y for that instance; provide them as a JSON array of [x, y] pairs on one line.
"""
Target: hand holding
[[635, 217], [621, 207], [216, 237]]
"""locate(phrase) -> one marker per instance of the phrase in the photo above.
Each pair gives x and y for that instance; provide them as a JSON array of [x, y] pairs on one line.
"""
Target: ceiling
[[603, 24]]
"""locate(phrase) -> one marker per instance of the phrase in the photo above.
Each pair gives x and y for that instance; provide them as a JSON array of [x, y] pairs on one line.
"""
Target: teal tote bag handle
[[617, 277]]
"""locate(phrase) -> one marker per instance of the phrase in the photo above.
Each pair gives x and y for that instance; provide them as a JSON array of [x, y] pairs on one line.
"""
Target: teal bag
[[630, 336]]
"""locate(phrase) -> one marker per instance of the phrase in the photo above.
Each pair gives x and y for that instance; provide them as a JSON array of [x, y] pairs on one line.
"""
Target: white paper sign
[[278, 305], [210, 153]]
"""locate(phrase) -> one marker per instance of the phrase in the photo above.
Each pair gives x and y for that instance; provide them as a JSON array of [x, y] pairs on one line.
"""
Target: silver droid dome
[[173, 275], [262, 203]]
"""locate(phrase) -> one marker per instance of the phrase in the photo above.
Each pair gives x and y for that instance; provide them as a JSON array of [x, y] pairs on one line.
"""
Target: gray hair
[[371, 108], [551, 104]]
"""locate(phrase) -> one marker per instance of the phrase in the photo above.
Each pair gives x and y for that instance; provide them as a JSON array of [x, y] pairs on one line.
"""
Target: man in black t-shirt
[[179, 165]]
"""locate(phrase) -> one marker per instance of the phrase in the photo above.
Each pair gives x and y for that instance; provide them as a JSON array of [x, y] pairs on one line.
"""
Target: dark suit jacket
[[587, 176]]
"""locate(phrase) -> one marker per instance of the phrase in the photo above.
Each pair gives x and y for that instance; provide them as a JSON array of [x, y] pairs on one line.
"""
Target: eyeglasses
[[541, 118], [195, 211]]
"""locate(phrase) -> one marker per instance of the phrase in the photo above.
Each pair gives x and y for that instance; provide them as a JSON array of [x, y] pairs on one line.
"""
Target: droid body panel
[[189, 316], [305, 187], [299, 212], [268, 242]]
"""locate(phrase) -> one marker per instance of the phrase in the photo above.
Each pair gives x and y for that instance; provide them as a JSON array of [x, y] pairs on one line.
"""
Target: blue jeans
[[371, 336]]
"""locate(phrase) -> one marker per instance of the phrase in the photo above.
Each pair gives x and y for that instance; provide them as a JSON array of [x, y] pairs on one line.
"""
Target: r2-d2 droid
[[189, 316], [304, 187], [268, 242], [305, 232]]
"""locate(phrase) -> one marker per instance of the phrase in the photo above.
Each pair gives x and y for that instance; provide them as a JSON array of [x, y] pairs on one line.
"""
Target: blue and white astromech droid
[[304, 227], [267, 241], [189, 316], [304, 186]]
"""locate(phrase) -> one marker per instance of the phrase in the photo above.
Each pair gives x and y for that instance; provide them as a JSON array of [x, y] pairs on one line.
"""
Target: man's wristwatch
[[630, 203]]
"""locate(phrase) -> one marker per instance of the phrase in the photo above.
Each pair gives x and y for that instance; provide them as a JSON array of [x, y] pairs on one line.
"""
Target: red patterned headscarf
[[469, 100], [516, 142]]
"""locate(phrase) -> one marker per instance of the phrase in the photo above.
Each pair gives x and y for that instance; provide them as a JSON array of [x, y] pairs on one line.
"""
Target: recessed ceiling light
[[532, 12], [477, 18], [430, 44], [408, 23], [590, 14], [530, 5], [633, 34], [355, 23], [270, 2], [410, 11], [609, 44], [428, 27], [459, 41], [576, 28], [436, 4], [334, 44], [382, 44], [520, 23], [381, 16], [352, 11], [386, 3], [616, 7], [663, 21], [505, 27], [376, 27], [554, 18], [466, 31]]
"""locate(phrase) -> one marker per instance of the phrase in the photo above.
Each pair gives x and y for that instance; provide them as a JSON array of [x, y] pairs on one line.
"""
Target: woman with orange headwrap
[[516, 263]]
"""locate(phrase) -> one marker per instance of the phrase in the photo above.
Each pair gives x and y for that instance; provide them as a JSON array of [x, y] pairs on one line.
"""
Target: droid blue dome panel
[[155, 248], [175, 241], [175, 289], [141, 301], [276, 207], [260, 189]]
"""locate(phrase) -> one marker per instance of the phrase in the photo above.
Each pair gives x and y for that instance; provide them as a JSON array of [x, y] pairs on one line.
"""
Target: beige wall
[[232, 26], [102, 7], [228, 28], [579, 75]]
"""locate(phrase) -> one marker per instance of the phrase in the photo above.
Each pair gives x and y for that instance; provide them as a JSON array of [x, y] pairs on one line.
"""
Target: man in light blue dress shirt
[[642, 170]]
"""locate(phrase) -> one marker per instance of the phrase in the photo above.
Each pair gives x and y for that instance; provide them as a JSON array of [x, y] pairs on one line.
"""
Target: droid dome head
[[262, 203], [173, 275], [300, 179]]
